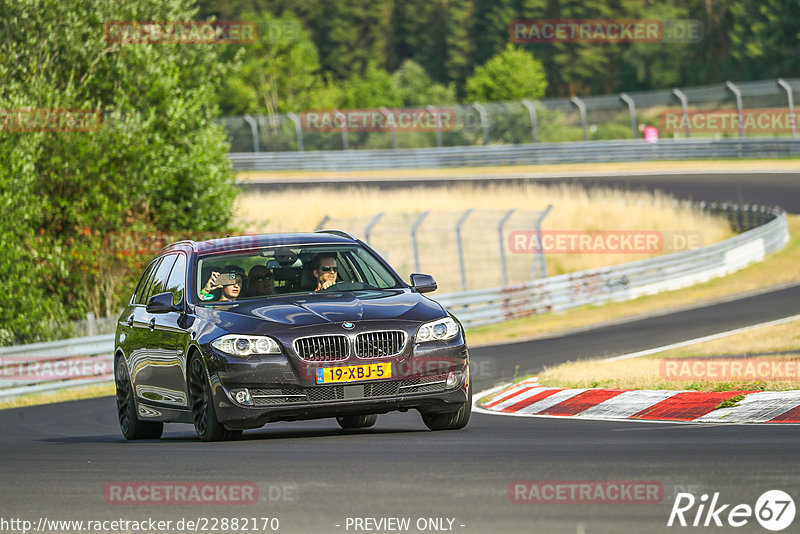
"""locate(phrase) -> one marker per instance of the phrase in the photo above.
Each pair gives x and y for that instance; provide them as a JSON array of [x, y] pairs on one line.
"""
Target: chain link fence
[[713, 111], [461, 249]]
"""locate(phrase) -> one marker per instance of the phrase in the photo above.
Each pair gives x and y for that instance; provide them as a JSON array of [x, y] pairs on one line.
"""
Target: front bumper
[[285, 390]]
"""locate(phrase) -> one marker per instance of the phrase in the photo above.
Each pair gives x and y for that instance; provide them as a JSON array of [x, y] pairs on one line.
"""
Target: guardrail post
[[632, 110], [685, 105], [343, 118], [414, 228], [582, 109], [738, 94], [532, 112], [435, 113], [369, 227], [254, 130], [390, 122], [501, 242], [298, 132], [461, 249], [91, 324], [790, 97], [484, 121], [542, 260]]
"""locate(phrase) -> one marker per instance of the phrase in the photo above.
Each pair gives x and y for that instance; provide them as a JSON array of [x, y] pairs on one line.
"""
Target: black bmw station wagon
[[233, 333]]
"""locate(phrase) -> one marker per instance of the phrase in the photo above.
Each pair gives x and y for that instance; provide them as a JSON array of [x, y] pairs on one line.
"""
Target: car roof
[[253, 241]]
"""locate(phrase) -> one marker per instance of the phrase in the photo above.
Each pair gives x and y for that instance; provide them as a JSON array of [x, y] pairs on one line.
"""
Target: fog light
[[453, 379], [242, 396]]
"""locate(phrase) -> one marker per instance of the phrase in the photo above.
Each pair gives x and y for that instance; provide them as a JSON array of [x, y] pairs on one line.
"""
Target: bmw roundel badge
[[347, 325]]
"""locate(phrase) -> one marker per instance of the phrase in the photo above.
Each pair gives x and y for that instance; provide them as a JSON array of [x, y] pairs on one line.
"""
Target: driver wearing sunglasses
[[261, 281], [325, 271]]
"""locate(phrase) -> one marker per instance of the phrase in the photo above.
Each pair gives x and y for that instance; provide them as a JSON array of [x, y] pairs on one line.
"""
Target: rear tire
[[129, 423], [349, 422], [452, 420], [204, 415]]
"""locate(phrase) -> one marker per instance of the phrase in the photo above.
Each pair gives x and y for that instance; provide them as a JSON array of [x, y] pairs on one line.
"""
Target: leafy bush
[[157, 161]]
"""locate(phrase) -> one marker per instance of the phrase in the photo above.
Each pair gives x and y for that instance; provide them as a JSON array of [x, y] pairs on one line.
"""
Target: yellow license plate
[[354, 373]]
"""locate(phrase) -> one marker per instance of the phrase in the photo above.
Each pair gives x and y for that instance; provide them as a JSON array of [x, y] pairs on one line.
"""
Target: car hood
[[320, 308]]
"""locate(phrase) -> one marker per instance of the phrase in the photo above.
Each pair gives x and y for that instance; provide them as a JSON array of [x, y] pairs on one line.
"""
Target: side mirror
[[161, 303], [423, 283]]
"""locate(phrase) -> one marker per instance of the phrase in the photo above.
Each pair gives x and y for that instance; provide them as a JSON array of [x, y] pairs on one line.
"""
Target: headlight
[[240, 345], [440, 329]]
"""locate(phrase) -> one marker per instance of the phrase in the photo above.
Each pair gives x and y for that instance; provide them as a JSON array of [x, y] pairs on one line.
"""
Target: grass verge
[[761, 359], [33, 399]]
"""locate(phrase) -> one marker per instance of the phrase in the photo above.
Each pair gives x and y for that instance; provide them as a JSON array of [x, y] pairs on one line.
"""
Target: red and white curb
[[529, 399]]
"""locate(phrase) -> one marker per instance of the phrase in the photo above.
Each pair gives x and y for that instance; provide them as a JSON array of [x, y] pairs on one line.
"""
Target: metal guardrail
[[629, 280], [39, 367], [79, 361], [527, 154]]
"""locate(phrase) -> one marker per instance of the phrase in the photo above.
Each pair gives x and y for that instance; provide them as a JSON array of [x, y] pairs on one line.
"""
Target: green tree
[[156, 162], [766, 38], [416, 88], [512, 74], [278, 73], [656, 65]]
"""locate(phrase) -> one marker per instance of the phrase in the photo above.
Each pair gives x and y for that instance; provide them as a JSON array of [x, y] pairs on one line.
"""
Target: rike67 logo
[[774, 510]]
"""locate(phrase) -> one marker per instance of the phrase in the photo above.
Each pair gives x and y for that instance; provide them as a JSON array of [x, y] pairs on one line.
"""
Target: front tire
[[204, 415], [349, 422], [129, 423], [452, 420]]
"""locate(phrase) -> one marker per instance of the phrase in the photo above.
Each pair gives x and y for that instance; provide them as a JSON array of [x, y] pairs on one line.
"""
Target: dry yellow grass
[[778, 268], [100, 390], [646, 372], [574, 208]]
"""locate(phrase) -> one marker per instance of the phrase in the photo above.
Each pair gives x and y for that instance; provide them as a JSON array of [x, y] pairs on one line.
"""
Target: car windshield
[[278, 271]]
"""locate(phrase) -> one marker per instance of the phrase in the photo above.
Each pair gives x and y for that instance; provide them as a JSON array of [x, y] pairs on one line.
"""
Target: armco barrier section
[[528, 154], [40, 367], [620, 282], [80, 361]]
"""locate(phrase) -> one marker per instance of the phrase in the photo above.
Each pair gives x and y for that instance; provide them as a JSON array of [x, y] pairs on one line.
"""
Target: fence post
[[343, 118], [254, 130], [632, 110], [321, 224], [484, 121], [414, 228], [461, 249], [790, 98], [435, 113], [371, 224], [738, 94], [390, 122], [542, 263], [582, 109], [297, 130], [501, 242], [685, 105], [532, 112]]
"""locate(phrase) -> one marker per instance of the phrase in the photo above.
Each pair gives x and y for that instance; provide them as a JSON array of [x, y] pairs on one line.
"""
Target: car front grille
[[329, 348], [387, 388], [380, 344]]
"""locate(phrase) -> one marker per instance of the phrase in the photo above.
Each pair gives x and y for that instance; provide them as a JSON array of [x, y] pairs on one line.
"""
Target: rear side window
[[177, 279], [141, 289]]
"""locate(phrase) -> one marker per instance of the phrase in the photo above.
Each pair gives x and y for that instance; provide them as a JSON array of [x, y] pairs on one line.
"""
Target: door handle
[[152, 324]]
